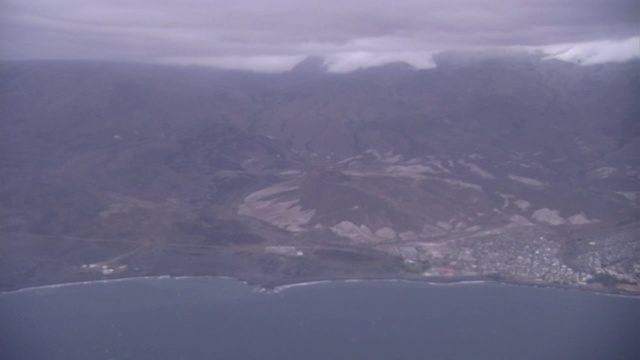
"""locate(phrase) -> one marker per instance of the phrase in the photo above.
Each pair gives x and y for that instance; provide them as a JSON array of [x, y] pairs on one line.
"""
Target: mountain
[[507, 167]]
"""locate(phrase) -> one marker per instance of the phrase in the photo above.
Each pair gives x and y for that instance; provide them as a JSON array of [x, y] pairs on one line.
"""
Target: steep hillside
[[509, 167]]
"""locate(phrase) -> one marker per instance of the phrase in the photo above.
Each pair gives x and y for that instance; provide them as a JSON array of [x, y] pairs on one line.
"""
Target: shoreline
[[282, 285]]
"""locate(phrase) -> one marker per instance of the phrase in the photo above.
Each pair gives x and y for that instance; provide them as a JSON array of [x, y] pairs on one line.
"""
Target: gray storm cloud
[[274, 35]]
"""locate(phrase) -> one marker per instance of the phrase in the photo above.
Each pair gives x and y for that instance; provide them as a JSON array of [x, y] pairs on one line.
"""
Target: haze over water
[[204, 318]]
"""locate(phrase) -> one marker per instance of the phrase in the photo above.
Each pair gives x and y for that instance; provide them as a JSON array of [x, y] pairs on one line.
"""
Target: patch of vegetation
[[344, 255], [495, 277], [400, 265], [219, 232], [607, 280]]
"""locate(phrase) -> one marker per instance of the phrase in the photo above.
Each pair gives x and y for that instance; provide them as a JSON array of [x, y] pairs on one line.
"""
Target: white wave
[[280, 288], [103, 281]]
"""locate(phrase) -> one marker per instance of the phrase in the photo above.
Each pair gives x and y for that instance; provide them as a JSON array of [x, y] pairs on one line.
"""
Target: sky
[[275, 35]]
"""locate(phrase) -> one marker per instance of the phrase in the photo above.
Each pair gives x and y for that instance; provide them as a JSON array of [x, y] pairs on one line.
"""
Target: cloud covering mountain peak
[[275, 35]]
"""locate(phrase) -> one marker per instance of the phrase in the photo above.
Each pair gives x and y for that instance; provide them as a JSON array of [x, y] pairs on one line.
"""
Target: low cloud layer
[[595, 52], [274, 35]]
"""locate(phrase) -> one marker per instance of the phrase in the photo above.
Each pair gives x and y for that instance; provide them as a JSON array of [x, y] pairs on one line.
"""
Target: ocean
[[215, 318]]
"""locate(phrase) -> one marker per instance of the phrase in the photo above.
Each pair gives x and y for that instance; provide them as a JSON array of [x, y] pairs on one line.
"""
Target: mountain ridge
[[509, 166]]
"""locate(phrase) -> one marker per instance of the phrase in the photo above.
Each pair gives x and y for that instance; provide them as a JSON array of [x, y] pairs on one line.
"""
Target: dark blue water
[[200, 318]]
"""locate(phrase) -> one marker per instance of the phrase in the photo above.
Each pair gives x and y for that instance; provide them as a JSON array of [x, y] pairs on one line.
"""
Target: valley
[[509, 168]]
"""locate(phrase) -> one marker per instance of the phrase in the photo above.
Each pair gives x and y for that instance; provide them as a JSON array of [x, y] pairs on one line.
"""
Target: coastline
[[284, 285]]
